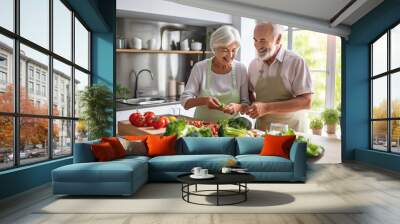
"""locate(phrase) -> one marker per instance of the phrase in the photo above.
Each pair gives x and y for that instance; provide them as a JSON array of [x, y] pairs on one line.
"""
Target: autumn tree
[[33, 131]]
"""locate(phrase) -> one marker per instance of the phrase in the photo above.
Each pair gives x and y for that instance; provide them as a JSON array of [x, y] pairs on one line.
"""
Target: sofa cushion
[[249, 145], [112, 171], [103, 152], [185, 163], [277, 145], [116, 145], [207, 145], [161, 145], [257, 163]]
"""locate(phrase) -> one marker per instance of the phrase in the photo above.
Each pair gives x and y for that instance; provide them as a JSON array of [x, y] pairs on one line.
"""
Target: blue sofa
[[125, 176]]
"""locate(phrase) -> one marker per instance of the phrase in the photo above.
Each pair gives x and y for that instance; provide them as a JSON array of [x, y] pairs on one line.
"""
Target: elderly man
[[280, 82]]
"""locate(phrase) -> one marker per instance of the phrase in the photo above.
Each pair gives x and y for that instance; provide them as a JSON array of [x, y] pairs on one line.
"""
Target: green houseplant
[[316, 126], [331, 119], [96, 103]]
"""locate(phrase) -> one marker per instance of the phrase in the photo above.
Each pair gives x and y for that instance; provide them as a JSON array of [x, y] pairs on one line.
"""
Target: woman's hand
[[212, 103], [232, 108]]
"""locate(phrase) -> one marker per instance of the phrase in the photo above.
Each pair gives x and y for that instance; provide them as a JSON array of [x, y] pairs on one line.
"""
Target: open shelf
[[119, 50]]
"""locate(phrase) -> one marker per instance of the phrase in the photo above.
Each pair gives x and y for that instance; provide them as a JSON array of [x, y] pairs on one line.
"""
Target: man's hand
[[256, 110], [232, 108], [212, 103]]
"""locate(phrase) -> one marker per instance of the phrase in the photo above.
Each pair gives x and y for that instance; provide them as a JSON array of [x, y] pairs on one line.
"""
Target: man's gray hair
[[224, 36], [276, 28]]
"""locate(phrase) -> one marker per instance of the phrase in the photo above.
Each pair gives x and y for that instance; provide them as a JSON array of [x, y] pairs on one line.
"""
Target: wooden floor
[[378, 188]]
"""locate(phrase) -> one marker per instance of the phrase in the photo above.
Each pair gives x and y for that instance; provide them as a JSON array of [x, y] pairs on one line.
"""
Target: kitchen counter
[[169, 101]]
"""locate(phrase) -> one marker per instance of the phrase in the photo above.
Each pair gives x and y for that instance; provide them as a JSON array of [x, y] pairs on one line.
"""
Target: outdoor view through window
[[40, 83]]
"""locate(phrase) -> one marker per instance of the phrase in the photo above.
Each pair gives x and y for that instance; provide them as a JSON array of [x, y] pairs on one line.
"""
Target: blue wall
[[99, 15], [356, 84]]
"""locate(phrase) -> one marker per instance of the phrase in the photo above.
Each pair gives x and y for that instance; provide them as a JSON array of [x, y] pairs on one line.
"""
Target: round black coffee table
[[238, 179]]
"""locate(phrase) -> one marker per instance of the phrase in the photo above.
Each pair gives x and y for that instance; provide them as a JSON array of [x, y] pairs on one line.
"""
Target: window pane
[[312, 46], [395, 95], [338, 78], [395, 47], [34, 80], [62, 89], [33, 139], [379, 56], [379, 98], [395, 138], [81, 45], [319, 89], [62, 29], [7, 14], [81, 132], [62, 141], [6, 142], [6, 74], [81, 81], [35, 21], [379, 135]]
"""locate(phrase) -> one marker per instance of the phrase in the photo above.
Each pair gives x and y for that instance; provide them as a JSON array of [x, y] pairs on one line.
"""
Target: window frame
[[388, 74], [16, 114]]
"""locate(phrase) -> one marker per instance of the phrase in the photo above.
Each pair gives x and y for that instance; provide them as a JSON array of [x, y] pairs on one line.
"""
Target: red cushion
[[161, 145], [103, 152], [135, 137], [277, 145], [116, 145]]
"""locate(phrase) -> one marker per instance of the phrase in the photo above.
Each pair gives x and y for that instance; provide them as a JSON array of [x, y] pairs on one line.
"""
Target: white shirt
[[294, 71], [220, 82]]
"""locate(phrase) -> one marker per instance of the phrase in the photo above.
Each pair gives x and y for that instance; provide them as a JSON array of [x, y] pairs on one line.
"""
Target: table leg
[[217, 194]]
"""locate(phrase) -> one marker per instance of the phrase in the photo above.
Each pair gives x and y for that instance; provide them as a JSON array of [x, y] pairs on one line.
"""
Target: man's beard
[[266, 54]]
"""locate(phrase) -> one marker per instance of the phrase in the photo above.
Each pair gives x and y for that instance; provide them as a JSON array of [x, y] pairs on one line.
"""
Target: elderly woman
[[218, 87]]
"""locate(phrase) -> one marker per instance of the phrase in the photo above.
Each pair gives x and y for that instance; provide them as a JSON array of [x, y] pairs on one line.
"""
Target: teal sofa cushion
[[249, 145], [83, 152], [257, 163], [185, 163], [207, 145]]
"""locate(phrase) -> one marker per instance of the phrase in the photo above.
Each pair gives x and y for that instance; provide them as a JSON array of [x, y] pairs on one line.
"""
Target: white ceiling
[[319, 9], [309, 14]]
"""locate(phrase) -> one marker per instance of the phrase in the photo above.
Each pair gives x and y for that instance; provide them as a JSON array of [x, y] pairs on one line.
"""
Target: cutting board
[[126, 128]]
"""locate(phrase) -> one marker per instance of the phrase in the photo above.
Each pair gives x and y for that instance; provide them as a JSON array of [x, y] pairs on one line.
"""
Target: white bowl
[[196, 46]]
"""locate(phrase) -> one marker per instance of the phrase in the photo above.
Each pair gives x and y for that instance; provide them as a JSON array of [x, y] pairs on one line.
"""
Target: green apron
[[272, 89], [231, 96]]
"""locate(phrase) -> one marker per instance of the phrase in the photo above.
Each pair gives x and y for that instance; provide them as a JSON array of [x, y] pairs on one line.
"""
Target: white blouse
[[220, 82]]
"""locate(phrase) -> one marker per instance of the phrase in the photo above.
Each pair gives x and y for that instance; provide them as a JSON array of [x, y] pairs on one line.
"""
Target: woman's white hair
[[224, 36]]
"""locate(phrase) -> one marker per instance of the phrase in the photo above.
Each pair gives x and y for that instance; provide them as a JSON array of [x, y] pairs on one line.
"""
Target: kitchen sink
[[143, 100]]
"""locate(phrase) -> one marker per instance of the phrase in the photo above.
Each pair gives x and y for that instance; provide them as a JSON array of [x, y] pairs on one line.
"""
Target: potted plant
[[96, 103], [316, 126], [122, 92], [331, 119]]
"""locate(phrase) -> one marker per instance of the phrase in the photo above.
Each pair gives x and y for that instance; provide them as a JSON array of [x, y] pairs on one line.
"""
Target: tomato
[[166, 121], [159, 122], [149, 118], [137, 119], [149, 113]]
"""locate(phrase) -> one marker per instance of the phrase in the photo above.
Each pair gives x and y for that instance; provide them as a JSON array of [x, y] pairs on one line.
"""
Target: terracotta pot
[[331, 128], [317, 131]]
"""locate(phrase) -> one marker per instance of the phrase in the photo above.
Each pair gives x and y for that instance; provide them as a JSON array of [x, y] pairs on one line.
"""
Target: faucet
[[137, 79]]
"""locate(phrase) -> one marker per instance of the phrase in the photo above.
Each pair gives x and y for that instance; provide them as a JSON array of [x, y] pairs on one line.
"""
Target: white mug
[[196, 171], [203, 172], [226, 170]]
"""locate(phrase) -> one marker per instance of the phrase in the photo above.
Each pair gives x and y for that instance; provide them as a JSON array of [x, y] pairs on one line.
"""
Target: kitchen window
[[44, 45], [385, 97]]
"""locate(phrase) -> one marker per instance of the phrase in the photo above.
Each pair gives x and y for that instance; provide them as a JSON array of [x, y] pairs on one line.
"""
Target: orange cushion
[[277, 145], [135, 137], [161, 145], [103, 152], [116, 145]]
